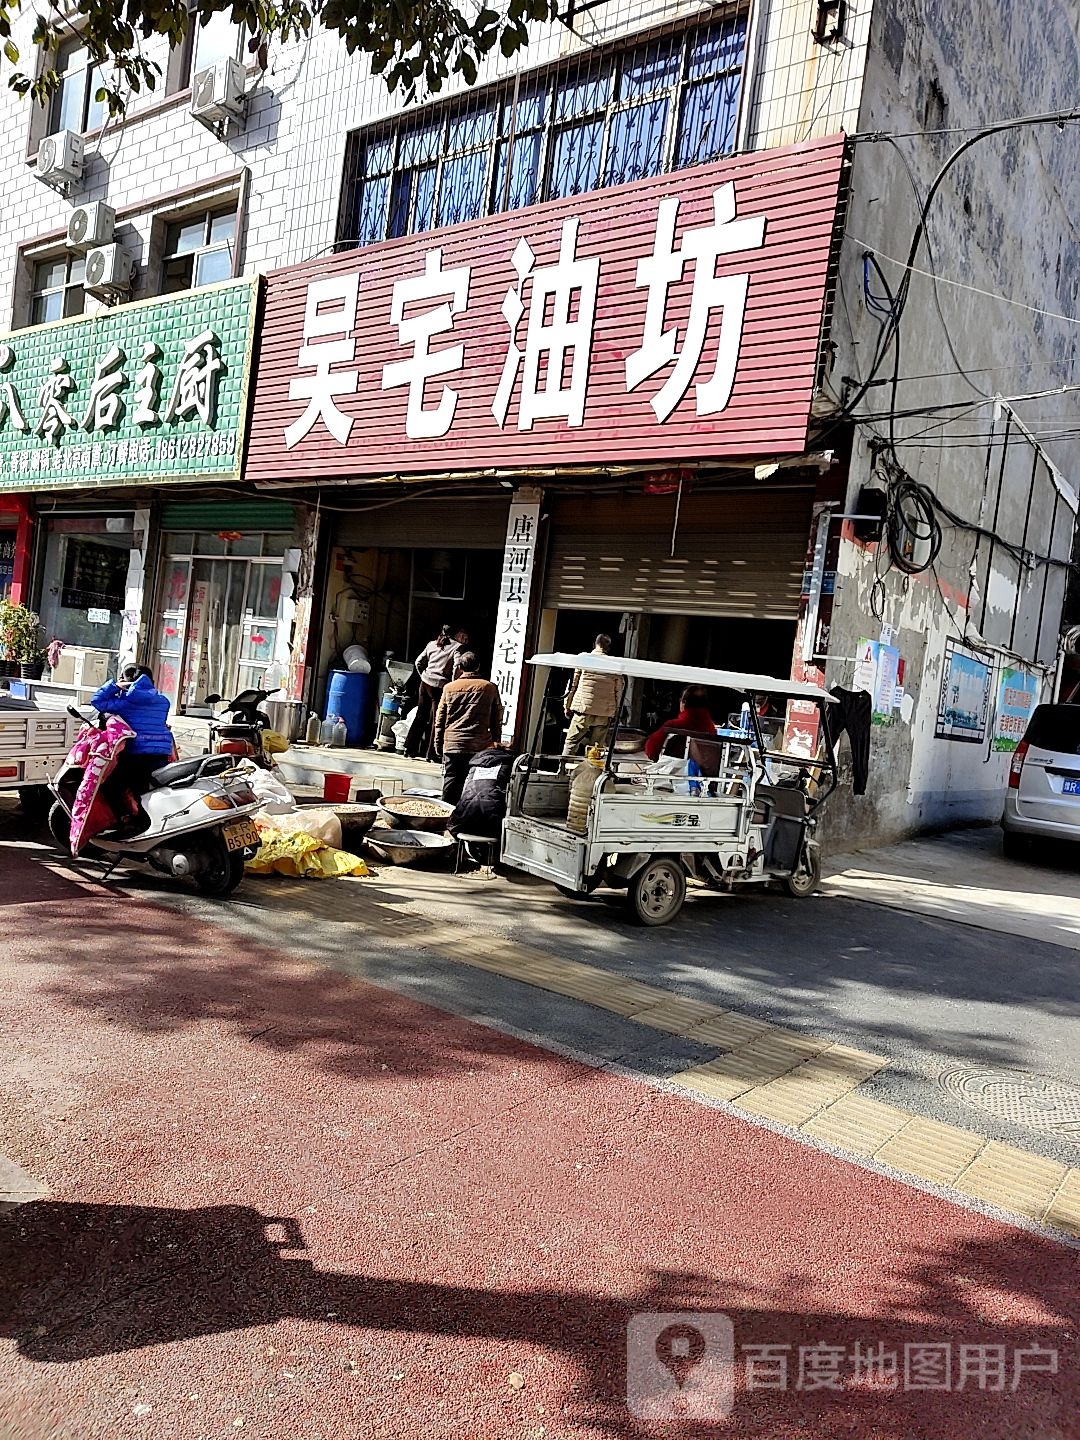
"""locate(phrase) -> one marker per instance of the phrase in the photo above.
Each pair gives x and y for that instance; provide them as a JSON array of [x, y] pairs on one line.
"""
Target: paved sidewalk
[[290, 1205], [963, 877]]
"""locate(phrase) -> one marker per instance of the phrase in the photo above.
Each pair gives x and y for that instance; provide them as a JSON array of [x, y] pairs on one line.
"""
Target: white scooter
[[196, 822]]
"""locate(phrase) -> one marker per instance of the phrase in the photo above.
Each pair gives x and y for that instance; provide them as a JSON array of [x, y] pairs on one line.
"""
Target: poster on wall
[[878, 671], [964, 701], [1018, 694]]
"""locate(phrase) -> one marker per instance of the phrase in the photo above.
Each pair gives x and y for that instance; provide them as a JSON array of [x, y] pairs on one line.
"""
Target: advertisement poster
[[1018, 694], [964, 701], [877, 670]]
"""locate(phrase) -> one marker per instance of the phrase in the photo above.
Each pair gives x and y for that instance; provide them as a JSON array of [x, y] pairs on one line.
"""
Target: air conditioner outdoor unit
[[90, 226], [110, 271], [60, 159], [217, 93]]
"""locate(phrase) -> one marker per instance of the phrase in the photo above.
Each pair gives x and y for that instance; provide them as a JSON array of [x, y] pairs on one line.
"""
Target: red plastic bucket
[[336, 787]]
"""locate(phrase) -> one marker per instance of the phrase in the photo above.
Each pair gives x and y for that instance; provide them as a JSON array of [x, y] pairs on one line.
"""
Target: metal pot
[[630, 742]]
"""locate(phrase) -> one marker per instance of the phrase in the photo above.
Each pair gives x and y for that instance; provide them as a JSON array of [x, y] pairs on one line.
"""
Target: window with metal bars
[[664, 104]]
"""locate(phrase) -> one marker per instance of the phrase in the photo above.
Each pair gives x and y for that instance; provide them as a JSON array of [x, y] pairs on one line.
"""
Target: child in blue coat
[[139, 704]]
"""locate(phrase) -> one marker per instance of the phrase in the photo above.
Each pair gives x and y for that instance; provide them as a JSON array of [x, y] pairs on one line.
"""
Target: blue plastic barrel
[[347, 697]]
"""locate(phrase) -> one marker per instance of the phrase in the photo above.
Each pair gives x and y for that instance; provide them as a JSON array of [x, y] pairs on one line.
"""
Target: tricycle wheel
[[807, 876], [656, 893]]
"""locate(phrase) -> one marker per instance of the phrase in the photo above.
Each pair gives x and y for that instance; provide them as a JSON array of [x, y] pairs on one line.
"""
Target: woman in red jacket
[[693, 716]]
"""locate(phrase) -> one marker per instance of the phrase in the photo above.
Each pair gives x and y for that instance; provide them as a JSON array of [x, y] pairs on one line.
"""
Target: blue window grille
[[664, 104]]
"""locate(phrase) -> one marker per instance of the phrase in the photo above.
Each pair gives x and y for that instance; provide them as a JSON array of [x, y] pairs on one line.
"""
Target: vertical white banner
[[515, 591]]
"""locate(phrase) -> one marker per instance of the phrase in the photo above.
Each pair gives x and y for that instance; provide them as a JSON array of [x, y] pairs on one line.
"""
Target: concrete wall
[[1004, 222]]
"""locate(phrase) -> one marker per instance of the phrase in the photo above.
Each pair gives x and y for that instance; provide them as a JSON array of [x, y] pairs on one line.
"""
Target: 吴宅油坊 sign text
[[677, 316], [154, 391]]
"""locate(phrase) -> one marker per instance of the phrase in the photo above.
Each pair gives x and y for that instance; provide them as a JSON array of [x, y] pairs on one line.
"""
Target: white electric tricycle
[[724, 808]]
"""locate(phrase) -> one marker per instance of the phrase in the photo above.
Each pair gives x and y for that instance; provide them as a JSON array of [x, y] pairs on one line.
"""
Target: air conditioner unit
[[90, 226], [110, 271], [217, 93], [60, 159]]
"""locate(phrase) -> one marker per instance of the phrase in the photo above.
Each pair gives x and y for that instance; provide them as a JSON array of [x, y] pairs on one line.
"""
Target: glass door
[[214, 630], [259, 624], [172, 625]]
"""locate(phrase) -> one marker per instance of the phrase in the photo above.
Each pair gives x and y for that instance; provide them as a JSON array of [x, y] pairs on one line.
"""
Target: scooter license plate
[[240, 835]]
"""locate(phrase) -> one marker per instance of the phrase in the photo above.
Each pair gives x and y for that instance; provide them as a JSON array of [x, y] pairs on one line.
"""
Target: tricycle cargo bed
[[33, 742]]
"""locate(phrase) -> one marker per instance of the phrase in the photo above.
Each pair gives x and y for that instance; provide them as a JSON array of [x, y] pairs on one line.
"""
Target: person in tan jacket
[[469, 719], [591, 704]]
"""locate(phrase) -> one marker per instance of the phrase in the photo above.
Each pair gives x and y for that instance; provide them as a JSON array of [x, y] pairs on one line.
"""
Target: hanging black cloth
[[852, 713]]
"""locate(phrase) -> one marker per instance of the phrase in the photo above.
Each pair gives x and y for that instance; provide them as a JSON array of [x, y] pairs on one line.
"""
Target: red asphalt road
[[453, 1207]]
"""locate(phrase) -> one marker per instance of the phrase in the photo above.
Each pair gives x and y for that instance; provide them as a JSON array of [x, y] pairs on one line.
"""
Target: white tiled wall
[[312, 95]]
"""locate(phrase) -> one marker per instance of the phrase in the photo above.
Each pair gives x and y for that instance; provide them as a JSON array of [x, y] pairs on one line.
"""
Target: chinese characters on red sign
[[678, 315]]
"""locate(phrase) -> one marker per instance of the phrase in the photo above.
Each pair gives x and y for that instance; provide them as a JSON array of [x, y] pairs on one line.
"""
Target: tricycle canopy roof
[[633, 668]]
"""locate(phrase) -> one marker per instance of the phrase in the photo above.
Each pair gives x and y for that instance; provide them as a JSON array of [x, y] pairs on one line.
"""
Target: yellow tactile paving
[[802, 1093], [678, 1014], [857, 1123], [1064, 1209], [1013, 1179], [931, 1150], [783, 1075], [727, 1031]]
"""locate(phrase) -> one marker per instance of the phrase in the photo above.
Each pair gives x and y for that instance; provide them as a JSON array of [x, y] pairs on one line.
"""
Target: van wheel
[[807, 877], [656, 893], [222, 873]]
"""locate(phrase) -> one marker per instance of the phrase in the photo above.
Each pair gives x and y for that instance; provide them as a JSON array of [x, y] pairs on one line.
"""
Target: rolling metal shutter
[[737, 552]]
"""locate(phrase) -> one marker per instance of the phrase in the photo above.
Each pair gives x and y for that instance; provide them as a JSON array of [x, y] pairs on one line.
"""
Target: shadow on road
[[83, 1281]]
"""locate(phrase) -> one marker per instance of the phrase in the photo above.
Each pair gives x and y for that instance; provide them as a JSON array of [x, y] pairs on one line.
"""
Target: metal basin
[[404, 846], [400, 818]]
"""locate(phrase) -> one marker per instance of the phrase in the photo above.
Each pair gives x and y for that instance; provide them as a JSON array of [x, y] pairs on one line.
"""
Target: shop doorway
[[760, 647], [84, 580], [396, 600], [218, 616]]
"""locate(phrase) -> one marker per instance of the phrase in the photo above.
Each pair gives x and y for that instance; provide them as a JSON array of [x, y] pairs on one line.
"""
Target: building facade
[[620, 338]]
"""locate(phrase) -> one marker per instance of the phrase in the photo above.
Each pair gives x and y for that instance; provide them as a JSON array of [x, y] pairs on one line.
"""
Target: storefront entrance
[[714, 580], [218, 615], [84, 581], [399, 573]]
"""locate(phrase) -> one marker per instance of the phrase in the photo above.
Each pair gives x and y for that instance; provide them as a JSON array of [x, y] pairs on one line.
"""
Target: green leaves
[[407, 43]]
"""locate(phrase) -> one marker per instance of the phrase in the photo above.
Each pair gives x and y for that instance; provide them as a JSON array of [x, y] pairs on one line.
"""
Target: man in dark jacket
[[468, 720]]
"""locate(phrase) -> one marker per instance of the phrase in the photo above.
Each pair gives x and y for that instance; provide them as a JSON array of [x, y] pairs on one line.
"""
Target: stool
[[489, 844]]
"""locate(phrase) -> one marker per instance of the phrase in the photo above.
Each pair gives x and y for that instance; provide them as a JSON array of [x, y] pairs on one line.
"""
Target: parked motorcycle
[[195, 822], [242, 730]]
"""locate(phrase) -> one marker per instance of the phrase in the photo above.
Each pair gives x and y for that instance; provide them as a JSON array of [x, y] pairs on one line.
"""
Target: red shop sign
[[673, 318]]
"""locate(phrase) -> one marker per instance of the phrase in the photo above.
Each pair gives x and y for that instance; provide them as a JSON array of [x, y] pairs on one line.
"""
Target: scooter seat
[[181, 770]]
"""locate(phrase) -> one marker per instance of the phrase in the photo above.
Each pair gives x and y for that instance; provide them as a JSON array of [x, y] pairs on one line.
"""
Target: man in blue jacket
[[139, 704]]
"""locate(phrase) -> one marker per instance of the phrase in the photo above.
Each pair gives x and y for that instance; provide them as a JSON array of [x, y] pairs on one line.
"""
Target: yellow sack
[[273, 742], [302, 856]]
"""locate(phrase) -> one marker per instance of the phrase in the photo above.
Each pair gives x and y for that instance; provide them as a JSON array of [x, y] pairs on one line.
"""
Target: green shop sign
[[150, 392]]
